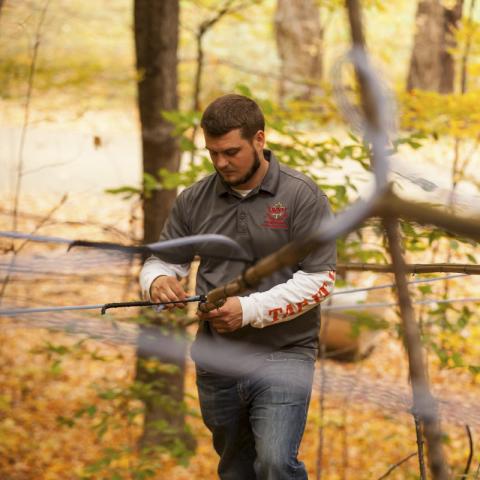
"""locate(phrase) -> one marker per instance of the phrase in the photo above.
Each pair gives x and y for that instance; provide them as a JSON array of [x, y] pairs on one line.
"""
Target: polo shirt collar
[[270, 180], [269, 183]]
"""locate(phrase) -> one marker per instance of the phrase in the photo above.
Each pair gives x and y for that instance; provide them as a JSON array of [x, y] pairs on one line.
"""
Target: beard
[[251, 172]]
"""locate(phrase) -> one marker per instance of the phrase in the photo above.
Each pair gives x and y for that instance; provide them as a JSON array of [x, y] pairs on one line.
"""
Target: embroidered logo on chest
[[276, 216]]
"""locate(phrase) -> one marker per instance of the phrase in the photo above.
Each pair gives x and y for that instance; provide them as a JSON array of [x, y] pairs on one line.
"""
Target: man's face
[[236, 159]]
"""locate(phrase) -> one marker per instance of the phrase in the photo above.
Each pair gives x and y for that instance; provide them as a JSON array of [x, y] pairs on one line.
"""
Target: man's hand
[[227, 318], [167, 289]]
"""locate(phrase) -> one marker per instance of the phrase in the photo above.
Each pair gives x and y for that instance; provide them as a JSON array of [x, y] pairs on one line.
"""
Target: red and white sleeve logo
[[323, 291]]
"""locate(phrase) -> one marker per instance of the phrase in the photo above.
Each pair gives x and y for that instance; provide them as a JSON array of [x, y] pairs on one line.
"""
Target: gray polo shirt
[[286, 206]]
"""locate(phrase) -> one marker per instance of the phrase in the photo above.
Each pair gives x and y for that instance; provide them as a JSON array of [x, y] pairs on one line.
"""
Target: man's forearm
[[288, 300], [154, 267]]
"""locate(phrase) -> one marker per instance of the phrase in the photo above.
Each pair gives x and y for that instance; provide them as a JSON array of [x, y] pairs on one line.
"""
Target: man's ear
[[259, 140]]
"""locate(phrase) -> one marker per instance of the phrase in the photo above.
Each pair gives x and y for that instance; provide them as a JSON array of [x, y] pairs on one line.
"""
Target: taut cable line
[[201, 299], [103, 307]]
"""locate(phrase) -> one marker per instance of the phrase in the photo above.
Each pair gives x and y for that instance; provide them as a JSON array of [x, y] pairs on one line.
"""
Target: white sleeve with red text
[[154, 267], [287, 301]]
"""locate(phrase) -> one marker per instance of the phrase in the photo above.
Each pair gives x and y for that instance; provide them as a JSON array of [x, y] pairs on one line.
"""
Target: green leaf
[[91, 410], [186, 145], [454, 245], [56, 367], [127, 191], [457, 359], [110, 394], [65, 421], [425, 289], [242, 89]]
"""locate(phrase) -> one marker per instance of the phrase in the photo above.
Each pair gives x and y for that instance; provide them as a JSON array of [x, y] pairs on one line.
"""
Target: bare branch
[[321, 400], [17, 250], [200, 59], [414, 268], [420, 442], [26, 118], [424, 403], [20, 170], [470, 452], [396, 465], [392, 206], [466, 52], [204, 27], [103, 226]]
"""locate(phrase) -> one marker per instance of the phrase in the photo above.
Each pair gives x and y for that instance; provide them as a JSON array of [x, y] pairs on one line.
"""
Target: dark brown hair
[[230, 112]]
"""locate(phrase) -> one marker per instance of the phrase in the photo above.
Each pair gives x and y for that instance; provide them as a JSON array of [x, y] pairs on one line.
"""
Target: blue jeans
[[257, 421]]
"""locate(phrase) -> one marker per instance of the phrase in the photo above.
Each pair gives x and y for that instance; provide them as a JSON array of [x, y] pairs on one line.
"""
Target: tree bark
[[432, 65], [298, 35], [164, 390], [424, 405], [156, 44]]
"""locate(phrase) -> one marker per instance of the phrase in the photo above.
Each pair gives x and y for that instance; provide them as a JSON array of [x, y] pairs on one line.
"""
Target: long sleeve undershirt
[[282, 303]]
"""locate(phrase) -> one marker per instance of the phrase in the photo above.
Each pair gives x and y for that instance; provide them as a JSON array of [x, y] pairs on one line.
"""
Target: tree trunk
[[163, 396], [432, 65], [156, 43], [298, 35]]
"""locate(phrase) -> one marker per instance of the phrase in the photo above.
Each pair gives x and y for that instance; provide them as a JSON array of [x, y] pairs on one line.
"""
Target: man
[[257, 418]]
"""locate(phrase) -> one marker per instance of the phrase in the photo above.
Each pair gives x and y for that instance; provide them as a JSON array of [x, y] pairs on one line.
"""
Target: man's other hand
[[227, 318], [167, 289]]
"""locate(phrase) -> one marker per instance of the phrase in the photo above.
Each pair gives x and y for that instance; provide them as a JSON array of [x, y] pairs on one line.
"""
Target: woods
[[298, 36], [432, 66], [176, 57]]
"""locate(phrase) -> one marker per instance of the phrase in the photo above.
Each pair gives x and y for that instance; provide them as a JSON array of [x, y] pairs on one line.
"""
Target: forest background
[[76, 163]]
